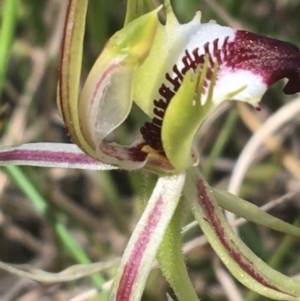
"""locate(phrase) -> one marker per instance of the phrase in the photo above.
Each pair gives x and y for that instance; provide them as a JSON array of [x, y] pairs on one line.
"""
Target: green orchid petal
[[106, 97], [237, 257], [184, 116], [252, 213]]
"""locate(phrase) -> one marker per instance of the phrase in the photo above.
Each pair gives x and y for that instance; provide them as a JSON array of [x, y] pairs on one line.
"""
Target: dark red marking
[[122, 153], [270, 58], [132, 266], [235, 254], [62, 57], [46, 156], [151, 131]]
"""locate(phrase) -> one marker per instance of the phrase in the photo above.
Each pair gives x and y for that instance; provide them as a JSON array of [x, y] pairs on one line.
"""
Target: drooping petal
[[237, 257], [106, 97], [143, 245], [71, 273], [60, 155]]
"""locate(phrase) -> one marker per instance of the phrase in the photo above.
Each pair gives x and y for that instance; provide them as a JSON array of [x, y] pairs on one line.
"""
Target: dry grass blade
[[287, 114], [224, 15], [229, 287]]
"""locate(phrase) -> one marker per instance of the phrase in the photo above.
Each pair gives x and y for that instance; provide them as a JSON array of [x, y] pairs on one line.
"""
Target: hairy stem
[[171, 260]]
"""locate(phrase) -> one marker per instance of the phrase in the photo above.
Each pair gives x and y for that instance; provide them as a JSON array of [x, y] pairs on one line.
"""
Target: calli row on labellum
[[155, 65]]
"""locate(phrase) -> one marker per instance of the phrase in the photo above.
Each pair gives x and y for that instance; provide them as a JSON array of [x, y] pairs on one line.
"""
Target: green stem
[[6, 35], [42, 206], [171, 260]]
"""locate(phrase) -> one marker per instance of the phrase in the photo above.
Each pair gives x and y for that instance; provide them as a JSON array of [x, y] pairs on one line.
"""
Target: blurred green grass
[[105, 207]]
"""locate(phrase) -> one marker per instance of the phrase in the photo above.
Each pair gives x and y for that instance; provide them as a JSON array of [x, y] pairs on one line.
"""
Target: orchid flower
[[177, 74]]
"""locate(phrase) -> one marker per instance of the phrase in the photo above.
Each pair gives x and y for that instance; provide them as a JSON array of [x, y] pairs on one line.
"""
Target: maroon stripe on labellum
[[132, 267], [270, 58], [232, 250], [121, 153]]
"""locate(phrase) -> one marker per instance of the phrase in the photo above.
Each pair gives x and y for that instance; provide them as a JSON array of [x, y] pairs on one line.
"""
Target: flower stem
[[171, 260]]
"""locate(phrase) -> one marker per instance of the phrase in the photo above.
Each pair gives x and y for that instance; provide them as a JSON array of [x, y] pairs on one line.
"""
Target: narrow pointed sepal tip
[[136, 39]]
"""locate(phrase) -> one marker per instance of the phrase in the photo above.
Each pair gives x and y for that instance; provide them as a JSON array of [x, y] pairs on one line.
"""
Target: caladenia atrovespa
[[177, 74]]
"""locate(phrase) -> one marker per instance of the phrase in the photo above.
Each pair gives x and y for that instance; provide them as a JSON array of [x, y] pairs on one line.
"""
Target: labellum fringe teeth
[[151, 131], [264, 60]]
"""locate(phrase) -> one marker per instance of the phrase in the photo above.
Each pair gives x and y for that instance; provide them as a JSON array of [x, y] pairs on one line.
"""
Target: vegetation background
[[42, 209]]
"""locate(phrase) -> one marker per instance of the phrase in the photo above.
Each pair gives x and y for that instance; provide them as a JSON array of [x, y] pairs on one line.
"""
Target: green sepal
[[136, 38], [252, 213], [70, 70]]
